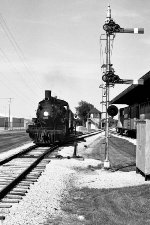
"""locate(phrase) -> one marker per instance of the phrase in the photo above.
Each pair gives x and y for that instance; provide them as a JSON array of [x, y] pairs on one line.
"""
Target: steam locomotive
[[54, 121]]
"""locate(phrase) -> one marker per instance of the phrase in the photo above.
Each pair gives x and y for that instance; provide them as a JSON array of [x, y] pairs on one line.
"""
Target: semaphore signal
[[109, 77]]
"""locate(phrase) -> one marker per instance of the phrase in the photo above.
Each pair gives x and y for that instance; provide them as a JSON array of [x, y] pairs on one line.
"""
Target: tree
[[83, 110]]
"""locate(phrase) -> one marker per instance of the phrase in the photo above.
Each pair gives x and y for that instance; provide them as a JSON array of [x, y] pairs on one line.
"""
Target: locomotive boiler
[[54, 121]]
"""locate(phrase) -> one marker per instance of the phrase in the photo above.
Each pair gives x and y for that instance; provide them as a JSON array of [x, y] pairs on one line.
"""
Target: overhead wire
[[6, 83], [112, 43], [18, 52], [102, 62], [17, 47], [101, 55], [6, 59], [24, 95]]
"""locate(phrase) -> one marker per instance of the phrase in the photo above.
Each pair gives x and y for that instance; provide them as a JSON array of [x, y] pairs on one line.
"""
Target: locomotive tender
[[54, 121]]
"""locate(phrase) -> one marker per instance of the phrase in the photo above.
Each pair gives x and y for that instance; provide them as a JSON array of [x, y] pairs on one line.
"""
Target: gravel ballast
[[43, 201]]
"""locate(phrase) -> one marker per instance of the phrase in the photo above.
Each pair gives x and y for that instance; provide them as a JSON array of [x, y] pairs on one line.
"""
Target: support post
[[2, 218], [9, 126], [107, 162], [109, 77], [75, 149]]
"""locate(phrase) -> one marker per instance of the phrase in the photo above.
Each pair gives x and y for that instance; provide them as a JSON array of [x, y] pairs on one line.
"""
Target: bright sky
[[55, 45]]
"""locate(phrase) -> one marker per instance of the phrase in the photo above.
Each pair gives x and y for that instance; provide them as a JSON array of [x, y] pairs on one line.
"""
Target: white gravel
[[42, 202], [43, 198], [14, 151]]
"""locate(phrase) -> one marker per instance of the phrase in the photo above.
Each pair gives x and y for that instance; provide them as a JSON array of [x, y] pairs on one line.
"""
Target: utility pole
[[9, 112], [9, 123], [109, 77]]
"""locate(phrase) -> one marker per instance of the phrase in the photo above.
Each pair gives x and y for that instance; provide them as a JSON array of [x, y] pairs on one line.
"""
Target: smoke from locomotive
[[53, 122]]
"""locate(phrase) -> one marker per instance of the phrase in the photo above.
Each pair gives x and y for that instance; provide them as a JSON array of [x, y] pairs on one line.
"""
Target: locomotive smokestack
[[47, 94]]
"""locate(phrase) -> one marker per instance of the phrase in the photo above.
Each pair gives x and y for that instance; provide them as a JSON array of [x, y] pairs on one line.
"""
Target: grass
[[121, 153], [118, 206], [123, 206]]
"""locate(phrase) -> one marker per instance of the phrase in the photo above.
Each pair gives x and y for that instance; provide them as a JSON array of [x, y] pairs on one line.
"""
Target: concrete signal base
[[106, 164]]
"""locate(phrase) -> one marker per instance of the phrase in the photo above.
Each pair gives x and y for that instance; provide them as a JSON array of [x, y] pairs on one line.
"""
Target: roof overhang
[[134, 93]]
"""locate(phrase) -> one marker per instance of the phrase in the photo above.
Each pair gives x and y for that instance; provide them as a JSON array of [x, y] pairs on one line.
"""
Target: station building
[[94, 120], [137, 97], [136, 117]]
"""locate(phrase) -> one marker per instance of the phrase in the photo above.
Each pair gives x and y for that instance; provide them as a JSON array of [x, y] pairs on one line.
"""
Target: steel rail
[[17, 154], [22, 175]]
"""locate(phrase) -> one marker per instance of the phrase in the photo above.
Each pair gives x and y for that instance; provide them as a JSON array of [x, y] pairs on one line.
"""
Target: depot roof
[[94, 110], [134, 93]]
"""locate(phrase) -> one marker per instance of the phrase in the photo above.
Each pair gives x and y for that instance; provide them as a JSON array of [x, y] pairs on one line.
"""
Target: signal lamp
[[75, 116], [112, 110], [110, 77], [46, 113], [105, 78]]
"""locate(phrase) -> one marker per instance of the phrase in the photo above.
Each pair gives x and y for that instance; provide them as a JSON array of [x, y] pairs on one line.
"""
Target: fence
[[16, 123]]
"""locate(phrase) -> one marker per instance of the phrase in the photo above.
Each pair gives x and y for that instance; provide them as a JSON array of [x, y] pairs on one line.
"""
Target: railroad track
[[19, 171]]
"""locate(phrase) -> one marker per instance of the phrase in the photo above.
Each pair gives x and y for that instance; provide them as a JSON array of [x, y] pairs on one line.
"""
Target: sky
[[55, 45]]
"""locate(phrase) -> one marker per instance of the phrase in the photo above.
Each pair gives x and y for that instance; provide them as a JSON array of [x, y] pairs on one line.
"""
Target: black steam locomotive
[[54, 121]]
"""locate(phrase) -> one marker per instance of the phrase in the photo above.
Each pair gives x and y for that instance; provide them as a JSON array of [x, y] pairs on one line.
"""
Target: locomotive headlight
[[46, 113]]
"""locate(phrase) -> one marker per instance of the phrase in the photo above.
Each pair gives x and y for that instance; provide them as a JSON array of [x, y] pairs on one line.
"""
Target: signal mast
[[109, 77]]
